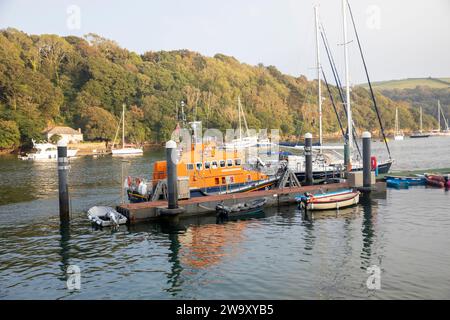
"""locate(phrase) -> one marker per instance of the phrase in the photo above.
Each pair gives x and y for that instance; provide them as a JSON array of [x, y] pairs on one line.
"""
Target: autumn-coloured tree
[[83, 82]]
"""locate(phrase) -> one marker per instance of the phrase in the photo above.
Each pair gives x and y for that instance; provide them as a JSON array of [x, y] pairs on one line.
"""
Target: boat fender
[[142, 189], [373, 163], [129, 181]]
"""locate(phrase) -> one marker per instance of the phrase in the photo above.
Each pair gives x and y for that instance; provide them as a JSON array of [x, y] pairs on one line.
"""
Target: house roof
[[60, 130]]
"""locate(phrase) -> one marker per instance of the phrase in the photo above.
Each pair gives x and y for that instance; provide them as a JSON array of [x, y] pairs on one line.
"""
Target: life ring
[[373, 162]]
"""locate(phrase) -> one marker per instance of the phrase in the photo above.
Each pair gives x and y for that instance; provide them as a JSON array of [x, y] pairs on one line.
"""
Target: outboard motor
[[113, 218], [221, 213]]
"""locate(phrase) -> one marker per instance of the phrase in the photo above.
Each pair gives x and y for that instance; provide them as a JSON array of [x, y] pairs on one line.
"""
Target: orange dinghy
[[438, 181]]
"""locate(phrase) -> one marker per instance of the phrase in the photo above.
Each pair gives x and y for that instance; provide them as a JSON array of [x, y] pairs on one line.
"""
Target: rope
[[368, 80], [332, 102], [337, 81], [206, 208]]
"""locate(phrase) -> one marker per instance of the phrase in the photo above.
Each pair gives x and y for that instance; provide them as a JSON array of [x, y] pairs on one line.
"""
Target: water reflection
[[281, 253], [174, 276], [64, 252], [31, 180], [367, 229], [185, 251]]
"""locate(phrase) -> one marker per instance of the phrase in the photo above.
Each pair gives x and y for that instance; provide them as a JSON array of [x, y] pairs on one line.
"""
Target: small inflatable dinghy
[[105, 216], [240, 210]]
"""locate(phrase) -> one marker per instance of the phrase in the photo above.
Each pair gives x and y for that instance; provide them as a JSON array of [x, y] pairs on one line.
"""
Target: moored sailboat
[[398, 136], [331, 164], [440, 131], [420, 134], [125, 150]]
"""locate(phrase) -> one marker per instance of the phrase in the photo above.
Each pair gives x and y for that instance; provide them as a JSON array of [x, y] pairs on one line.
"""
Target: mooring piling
[[367, 169], [171, 147], [308, 159], [172, 181], [347, 161], [63, 168]]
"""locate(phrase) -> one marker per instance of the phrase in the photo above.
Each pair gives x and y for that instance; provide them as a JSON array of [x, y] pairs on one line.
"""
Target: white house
[[67, 134]]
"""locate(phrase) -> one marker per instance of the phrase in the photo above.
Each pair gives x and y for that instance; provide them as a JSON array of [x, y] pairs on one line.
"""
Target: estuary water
[[280, 255]]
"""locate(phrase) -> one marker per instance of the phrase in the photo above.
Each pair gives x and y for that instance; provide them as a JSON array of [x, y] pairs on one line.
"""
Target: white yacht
[[249, 140], [46, 151]]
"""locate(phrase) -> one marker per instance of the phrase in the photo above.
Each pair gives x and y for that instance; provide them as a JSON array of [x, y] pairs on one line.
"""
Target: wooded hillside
[[83, 82]]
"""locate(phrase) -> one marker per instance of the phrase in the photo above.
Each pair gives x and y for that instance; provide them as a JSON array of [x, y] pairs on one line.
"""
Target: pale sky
[[401, 38]]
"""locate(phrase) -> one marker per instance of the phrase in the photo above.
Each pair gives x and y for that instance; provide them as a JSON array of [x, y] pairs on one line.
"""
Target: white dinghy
[[105, 216]]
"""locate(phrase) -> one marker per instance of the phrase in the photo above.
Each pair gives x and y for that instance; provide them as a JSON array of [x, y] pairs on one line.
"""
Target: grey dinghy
[[240, 210], [105, 216]]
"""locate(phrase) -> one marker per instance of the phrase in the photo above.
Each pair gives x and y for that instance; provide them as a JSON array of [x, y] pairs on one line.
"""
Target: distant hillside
[[418, 92], [411, 83], [83, 82]]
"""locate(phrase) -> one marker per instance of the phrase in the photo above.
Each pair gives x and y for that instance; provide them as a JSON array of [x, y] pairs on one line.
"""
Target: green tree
[[83, 82], [53, 51], [9, 134], [98, 124], [55, 138]]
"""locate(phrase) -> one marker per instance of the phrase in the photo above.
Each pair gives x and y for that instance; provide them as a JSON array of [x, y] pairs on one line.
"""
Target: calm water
[[279, 256]]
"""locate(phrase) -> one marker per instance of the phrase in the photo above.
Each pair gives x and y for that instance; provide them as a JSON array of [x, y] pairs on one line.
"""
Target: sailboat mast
[[439, 116], [347, 83], [421, 120], [123, 125], [318, 66], [445, 120], [240, 125], [396, 121]]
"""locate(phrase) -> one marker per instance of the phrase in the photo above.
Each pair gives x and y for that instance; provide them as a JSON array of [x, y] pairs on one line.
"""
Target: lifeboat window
[[207, 165], [237, 162], [231, 179], [190, 166], [217, 180], [229, 163], [199, 165], [214, 164], [223, 180], [222, 163]]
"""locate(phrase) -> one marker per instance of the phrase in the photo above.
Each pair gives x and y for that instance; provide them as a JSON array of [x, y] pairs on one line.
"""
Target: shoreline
[[102, 148]]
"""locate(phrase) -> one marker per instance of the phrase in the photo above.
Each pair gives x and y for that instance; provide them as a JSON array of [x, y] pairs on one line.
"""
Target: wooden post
[[308, 159], [367, 170], [63, 188], [171, 148]]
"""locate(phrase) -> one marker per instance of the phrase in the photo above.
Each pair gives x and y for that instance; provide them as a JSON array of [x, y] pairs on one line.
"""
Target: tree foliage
[[425, 97], [98, 124], [9, 134], [55, 138], [83, 82]]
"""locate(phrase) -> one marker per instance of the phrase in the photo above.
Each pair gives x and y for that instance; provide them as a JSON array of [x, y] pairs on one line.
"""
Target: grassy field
[[411, 83]]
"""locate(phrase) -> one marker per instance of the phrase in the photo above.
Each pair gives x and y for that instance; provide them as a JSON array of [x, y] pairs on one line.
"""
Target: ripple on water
[[281, 255]]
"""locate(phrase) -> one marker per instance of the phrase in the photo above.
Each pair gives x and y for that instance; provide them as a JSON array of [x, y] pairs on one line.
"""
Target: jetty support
[[148, 211]]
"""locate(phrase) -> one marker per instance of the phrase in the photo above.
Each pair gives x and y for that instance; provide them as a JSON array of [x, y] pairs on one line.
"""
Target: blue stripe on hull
[[230, 189], [209, 190]]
